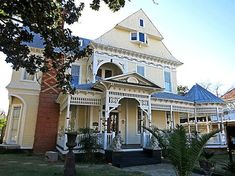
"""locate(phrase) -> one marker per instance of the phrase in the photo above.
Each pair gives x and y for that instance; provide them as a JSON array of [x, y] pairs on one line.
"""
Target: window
[[139, 37], [28, 77], [141, 22], [133, 36], [167, 77], [140, 70], [75, 73], [108, 73]]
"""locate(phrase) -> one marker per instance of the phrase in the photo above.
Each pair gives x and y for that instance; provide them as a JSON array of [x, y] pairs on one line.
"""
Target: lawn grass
[[25, 165]]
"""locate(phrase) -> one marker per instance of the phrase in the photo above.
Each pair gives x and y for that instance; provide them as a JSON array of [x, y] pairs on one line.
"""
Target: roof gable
[[229, 95], [133, 79], [198, 94], [132, 23]]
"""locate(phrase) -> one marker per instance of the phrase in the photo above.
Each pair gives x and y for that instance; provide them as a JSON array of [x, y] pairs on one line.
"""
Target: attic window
[[139, 37], [141, 22]]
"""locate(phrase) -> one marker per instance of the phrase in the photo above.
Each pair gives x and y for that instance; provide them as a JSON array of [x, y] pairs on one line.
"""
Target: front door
[[113, 122]]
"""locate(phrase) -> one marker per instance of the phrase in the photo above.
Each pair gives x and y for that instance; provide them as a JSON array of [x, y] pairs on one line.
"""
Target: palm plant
[[183, 152]]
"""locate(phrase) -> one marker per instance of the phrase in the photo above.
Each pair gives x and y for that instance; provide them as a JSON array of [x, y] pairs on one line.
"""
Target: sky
[[199, 33]]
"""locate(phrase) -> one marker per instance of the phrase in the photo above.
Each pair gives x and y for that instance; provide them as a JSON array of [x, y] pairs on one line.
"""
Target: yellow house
[[129, 81]]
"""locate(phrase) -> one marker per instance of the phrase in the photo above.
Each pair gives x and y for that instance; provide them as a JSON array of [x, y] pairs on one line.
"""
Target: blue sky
[[200, 33]]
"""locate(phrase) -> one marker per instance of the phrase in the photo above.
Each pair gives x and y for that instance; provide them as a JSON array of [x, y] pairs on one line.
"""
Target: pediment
[[132, 79]]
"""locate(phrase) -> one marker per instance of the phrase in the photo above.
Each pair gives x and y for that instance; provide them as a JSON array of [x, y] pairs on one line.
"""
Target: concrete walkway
[[163, 169]]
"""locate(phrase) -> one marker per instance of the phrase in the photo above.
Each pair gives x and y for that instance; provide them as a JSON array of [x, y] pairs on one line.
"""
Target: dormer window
[[139, 37], [141, 22]]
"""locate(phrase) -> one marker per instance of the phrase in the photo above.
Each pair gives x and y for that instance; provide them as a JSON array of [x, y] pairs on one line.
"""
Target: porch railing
[[62, 139]]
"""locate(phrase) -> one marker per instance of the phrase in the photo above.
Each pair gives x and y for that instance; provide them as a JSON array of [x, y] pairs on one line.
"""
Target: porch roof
[[170, 96], [198, 94]]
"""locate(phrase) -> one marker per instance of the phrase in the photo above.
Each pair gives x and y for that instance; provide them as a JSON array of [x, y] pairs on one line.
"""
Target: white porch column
[[189, 129], [91, 117], [150, 112], [106, 118], [195, 118], [67, 119], [126, 124], [207, 124], [100, 119], [219, 126], [172, 120]]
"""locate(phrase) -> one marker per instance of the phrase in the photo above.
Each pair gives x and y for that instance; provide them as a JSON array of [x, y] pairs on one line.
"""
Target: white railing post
[[144, 139], [113, 134]]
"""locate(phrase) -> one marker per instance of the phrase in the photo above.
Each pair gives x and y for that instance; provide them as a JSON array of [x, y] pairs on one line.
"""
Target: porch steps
[[126, 158]]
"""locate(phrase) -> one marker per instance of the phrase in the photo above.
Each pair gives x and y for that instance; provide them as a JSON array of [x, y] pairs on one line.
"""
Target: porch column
[[207, 124], [219, 126], [106, 118], [172, 120], [150, 112], [100, 119], [195, 119], [189, 129], [67, 120], [91, 117], [126, 124]]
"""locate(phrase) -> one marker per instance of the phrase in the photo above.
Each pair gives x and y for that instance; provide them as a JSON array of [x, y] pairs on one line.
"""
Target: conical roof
[[198, 94]]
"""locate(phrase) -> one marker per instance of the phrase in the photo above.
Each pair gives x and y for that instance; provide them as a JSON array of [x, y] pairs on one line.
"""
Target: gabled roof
[[230, 95], [198, 94], [133, 79], [131, 23]]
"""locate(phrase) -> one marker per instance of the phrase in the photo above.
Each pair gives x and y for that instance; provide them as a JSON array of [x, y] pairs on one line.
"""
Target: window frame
[[141, 21], [171, 85], [27, 80], [145, 42]]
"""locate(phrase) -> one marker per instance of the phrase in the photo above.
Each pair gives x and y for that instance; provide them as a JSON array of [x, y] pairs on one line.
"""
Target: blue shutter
[[75, 72]]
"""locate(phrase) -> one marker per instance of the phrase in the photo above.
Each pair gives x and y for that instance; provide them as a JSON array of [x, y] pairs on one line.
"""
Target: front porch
[[63, 149]]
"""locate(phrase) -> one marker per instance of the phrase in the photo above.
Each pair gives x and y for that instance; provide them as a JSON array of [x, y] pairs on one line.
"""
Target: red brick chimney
[[48, 114]]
